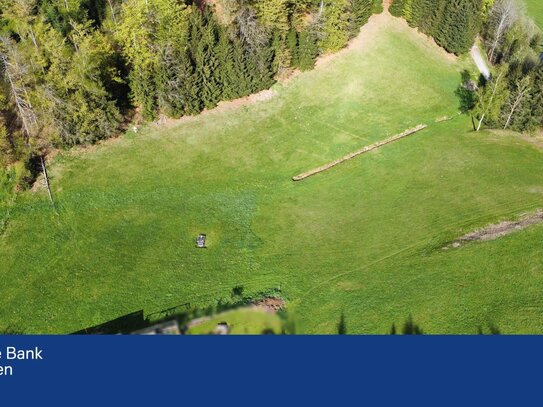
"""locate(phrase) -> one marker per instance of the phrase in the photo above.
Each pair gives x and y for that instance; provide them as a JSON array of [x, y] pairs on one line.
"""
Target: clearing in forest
[[364, 240]]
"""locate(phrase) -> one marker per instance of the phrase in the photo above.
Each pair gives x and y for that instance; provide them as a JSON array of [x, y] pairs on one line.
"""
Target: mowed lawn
[[363, 239], [535, 9]]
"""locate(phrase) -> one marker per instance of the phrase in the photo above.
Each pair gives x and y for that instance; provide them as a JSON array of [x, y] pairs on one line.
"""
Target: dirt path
[[477, 57]]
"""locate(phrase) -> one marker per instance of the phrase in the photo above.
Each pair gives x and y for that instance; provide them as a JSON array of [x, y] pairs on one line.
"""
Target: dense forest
[[513, 97], [453, 23], [75, 70]]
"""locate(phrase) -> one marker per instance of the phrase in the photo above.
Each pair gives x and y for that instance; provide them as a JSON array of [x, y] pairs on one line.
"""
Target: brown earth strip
[[495, 231], [270, 305], [363, 150]]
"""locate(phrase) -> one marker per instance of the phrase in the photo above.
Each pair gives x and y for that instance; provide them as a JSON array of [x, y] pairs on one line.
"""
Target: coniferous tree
[[292, 43], [307, 50], [459, 26], [207, 63], [536, 100], [528, 111], [171, 82], [261, 69], [407, 11], [396, 8], [281, 54], [362, 11], [423, 13], [226, 73], [453, 23], [273, 14], [342, 325], [241, 76]]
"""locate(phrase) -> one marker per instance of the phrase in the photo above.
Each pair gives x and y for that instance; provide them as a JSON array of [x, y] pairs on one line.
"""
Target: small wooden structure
[[201, 241]]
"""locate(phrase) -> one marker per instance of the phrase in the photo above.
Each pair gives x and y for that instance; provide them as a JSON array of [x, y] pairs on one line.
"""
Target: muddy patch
[[495, 231]]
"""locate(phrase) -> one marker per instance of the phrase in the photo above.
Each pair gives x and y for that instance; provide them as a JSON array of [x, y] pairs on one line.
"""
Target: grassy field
[[535, 9], [364, 238]]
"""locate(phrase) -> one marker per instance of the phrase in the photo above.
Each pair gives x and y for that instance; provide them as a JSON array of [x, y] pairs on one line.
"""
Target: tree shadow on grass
[[492, 329], [342, 325], [465, 92], [9, 330], [409, 328]]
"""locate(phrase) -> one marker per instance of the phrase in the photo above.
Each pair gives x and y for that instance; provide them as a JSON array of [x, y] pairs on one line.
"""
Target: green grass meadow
[[364, 239], [535, 9]]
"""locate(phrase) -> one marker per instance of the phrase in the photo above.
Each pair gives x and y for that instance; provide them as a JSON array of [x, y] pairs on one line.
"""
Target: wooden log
[[363, 150]]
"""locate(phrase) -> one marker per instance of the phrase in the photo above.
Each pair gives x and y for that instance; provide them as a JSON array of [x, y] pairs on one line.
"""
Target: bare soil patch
[[495, 231], [267, 94], [270, 305], [536, 140]]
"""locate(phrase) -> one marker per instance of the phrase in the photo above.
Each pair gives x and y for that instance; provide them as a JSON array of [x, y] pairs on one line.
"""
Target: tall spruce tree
[[307, 50], [242, 65], [207, 63], [459, 26], [362, 11], [292, 44], [226, 73], [396, 8]]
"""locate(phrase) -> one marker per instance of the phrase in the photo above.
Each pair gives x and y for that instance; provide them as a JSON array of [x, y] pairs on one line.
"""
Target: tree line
[[513, 97], [453, 23], [73, 71]]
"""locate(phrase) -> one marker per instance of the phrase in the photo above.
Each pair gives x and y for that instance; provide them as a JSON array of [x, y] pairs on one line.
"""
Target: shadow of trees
[[9, 330], [465, 92], [342, 325], [492, 330], [409, 327]]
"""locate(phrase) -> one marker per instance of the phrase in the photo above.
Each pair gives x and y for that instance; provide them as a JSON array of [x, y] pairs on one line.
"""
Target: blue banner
[[269, 370]]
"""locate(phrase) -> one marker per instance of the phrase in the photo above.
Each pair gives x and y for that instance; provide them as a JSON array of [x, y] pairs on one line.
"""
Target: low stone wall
[[359, 152]]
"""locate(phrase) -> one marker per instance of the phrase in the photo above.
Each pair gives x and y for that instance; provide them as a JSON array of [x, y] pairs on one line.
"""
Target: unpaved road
[[477, 57]]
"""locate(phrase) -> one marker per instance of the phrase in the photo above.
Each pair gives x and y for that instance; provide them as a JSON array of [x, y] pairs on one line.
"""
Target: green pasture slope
[[363, 239], [535, 9]]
